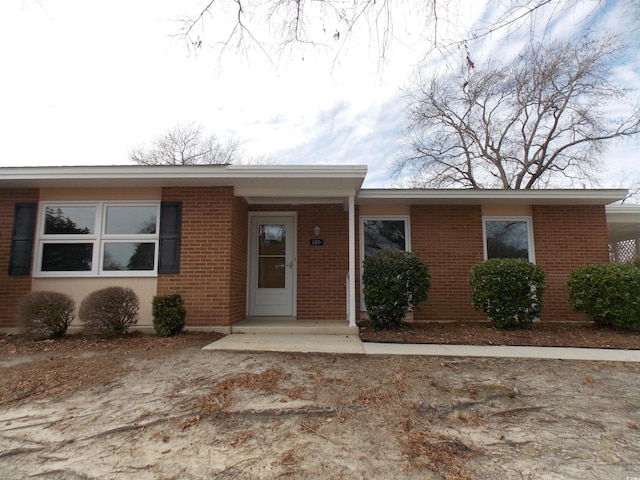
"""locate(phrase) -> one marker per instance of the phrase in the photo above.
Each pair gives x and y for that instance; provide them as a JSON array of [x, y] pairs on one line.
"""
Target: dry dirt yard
[[148, 408]]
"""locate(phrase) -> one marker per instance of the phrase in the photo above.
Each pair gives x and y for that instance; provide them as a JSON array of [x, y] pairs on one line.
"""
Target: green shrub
[[609, 293], [45, 314], [508, 290], [394, 281], [110, 311], [168, 314]]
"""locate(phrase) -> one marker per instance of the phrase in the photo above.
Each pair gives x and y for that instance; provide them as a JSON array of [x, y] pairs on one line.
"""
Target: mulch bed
[[73, 343], [547, 334]]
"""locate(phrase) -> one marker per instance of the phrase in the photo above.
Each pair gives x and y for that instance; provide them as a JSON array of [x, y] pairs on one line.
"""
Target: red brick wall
[[566, 237], [213, 264], [449, 239], [321, 270], [14, 287], [206, 251], [239, 238]]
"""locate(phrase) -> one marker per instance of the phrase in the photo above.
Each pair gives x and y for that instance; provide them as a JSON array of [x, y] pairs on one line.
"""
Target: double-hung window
[[98, 239], [383, 232], [508, 237]]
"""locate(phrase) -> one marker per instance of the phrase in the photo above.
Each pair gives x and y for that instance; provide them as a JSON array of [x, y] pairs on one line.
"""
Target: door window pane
[[69, 220], [272, 240], [67, 257], [272, 247], [379, 234], [507, 239], [131, 220], [128, 256], [271, 272]]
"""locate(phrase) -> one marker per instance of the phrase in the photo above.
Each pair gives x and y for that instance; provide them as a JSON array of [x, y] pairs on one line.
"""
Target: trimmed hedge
[[508, 290], [168, 314], [609, 293], [110, 311], [394, 281], [45, 314]]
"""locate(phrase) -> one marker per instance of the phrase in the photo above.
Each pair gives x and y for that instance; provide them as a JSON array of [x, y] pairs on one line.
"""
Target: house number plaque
[[316, 242]]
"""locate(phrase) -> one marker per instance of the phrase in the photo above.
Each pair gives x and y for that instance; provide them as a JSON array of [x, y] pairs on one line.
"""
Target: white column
[[351, 306]]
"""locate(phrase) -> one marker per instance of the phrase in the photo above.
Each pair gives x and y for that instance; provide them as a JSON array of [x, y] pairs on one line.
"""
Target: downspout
[[351, 297]]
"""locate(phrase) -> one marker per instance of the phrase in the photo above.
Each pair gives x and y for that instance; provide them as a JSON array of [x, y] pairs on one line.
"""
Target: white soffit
[[489, 197]]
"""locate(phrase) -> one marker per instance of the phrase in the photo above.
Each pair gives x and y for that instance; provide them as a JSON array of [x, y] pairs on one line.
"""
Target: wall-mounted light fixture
[[316, 230]]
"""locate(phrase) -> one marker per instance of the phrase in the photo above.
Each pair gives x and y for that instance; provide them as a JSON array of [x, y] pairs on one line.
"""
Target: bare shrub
[[110, 311], [45, 314]]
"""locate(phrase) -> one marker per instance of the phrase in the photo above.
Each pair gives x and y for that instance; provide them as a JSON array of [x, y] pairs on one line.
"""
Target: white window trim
[[527, 219], [407, 239], [98, 239]]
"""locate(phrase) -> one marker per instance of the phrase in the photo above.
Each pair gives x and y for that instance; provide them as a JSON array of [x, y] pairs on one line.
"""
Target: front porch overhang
[[247, 180]]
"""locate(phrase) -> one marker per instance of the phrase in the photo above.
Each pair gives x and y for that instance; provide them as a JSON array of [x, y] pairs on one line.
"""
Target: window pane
[[271, 272], [67, 257], [507, 239], [128, 256], [131, 220], [69, 220], [272, 240], [379, 234]]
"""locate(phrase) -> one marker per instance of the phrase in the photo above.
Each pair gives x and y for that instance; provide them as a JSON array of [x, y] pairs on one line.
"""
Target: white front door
[[271, 265]]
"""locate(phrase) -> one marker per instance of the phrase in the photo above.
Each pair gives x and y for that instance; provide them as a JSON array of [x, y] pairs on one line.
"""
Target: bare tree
[[186, 144], [278, 26], [631, 182], [539, 120]]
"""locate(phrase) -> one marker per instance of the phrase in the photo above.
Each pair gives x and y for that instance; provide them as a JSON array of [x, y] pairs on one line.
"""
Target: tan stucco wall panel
[[79, 288], [102, 194]]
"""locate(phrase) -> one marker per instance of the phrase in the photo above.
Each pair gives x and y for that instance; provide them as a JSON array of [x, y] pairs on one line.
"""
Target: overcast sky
[[82, 82]]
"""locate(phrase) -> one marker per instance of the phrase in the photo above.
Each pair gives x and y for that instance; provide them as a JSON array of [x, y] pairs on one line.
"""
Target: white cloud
[[86, 81]]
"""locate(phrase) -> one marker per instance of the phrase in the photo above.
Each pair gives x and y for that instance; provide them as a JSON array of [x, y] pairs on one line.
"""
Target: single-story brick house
[[267, 242]]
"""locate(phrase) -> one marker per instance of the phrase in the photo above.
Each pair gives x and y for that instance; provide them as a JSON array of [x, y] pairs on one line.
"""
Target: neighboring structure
[[624, 232], [276, 241]]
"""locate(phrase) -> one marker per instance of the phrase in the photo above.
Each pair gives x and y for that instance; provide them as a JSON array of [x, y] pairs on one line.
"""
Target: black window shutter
[[24, 221], [169, 260]]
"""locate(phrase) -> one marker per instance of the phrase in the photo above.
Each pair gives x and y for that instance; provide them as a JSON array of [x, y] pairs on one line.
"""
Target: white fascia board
[[623, 213], [490, 196], [169, 175], [297, 171]]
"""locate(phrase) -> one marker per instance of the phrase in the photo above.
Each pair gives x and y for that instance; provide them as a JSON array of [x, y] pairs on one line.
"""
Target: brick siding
[[207, 250], [449, 239], [322, 270], [566, 237], [238, 290], [14, 287]]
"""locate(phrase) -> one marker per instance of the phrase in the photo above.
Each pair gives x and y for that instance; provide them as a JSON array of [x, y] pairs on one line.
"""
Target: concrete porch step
[[293, 327]]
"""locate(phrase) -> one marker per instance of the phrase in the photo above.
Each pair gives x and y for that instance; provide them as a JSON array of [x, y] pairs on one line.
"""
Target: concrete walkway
[[351, 344]]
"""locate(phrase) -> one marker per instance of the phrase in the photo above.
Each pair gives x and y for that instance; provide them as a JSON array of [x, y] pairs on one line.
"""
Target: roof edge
[[492, 196], [182, 171]]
